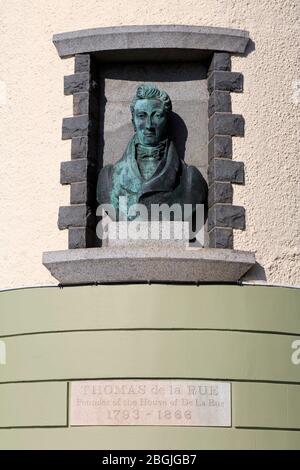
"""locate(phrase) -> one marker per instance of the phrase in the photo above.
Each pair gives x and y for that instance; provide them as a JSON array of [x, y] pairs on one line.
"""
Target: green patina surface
[[150, 171]]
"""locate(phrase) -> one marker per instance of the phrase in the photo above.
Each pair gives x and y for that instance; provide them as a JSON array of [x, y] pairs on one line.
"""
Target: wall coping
[[176, 37]]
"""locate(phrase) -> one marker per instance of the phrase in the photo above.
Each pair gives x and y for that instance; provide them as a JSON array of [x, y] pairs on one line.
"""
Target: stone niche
[[193, 65]]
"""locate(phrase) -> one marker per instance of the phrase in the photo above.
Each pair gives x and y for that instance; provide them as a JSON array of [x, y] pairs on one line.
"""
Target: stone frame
[[223, 217], [81, 171], [215, 46]]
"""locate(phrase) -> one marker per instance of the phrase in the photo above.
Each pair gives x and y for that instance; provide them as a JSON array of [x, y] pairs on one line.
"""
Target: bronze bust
[[150, 171]]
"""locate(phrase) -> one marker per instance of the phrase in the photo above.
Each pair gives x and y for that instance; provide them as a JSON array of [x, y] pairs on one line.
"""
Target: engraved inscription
[[150, 402]]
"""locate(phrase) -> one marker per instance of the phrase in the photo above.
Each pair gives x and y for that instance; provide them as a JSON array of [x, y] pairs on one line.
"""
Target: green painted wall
[[233, 333]]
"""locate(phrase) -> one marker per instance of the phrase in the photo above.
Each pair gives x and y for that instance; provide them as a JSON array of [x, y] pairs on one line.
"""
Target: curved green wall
[[231, 333]]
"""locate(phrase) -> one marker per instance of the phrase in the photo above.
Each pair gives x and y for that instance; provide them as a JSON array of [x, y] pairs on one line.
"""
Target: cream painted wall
[[31, 114]]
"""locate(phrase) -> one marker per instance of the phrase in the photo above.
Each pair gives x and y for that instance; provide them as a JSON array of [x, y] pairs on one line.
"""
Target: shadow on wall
[[178, 133], [250, 48], [256, 273]]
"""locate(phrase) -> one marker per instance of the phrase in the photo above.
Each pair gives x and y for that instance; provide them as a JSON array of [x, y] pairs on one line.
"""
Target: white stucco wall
[[33, 106]]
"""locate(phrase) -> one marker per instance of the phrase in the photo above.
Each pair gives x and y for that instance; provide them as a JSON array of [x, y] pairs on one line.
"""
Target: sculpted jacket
[[173, 181]]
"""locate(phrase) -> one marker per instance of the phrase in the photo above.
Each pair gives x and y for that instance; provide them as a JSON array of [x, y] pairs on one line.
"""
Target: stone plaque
[[150, 403]]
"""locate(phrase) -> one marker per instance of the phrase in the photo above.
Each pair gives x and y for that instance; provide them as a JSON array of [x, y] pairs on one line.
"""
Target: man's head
[[150, 109]]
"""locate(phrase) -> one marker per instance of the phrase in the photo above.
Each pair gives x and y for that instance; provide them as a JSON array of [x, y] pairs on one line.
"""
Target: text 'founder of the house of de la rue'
[[150, 170]]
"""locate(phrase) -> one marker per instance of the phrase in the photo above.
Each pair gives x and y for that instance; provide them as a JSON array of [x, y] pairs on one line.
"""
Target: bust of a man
[[150, 171]]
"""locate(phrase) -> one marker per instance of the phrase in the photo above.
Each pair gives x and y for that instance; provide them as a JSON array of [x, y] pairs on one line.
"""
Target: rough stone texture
[[80, 103], [72, 216], [31, 156], [73, 171], [226, 215], [85, 125], [221, 238], [82, 63], [100, 265], [219, 101], [147, 235], [76, 126], [220, 146], [222, 169], [176, 37], [79, 147], [76, 83], [226, 124], [78, 194], [80, 237], [220, 61], [225, 81], [220, 193]]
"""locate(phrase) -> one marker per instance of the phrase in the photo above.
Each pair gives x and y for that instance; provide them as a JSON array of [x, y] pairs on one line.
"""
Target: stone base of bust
[[132, 263], [147, 235]]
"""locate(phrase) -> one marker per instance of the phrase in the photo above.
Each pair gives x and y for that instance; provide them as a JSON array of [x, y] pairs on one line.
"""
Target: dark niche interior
[[114, 85]]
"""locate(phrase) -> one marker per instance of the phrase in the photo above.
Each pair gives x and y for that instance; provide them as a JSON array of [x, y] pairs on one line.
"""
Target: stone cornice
[[178, 38]]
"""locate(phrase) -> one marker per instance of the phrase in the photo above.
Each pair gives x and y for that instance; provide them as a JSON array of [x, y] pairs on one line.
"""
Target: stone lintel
[[178, 38]]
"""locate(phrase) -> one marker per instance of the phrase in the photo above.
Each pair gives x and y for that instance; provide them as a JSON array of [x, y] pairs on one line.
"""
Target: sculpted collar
[[157, 153], [164, 178]]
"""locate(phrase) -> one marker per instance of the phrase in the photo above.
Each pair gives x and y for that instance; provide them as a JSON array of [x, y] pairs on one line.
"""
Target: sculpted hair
[[148, 92]]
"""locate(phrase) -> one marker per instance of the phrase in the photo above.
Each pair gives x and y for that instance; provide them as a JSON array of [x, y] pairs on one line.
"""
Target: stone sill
[[107, 265]]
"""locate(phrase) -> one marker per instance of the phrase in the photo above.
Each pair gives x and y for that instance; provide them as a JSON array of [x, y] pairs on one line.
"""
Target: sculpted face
[[150, 121]]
